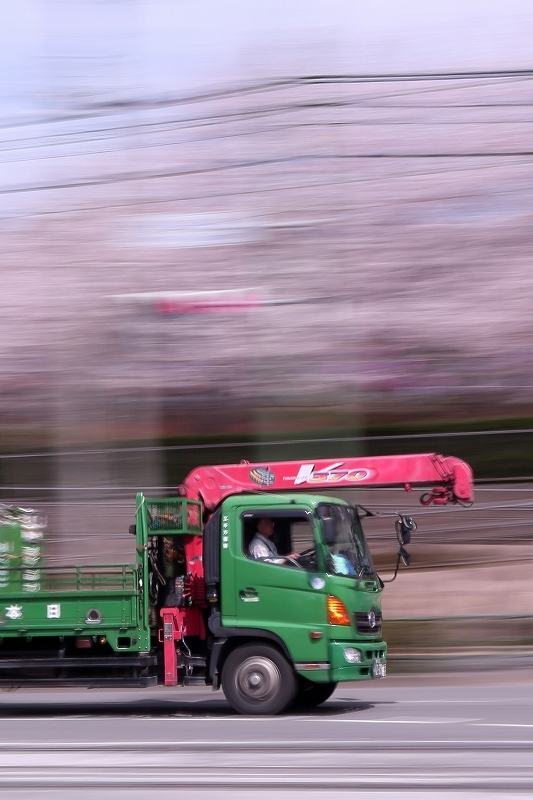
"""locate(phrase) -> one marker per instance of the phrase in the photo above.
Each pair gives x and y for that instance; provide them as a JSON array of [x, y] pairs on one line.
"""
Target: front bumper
[[372, 665]]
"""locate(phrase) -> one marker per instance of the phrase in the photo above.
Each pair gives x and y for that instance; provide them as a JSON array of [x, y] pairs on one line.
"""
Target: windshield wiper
[[363, 569]]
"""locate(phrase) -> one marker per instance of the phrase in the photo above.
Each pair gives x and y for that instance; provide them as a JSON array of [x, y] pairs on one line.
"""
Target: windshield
[[349, 554]]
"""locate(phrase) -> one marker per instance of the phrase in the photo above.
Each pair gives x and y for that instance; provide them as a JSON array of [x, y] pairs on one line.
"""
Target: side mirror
[[330, 529], [404, 528]]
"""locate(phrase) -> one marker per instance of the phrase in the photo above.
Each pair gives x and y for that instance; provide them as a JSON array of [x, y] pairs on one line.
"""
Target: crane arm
[[446, 479]]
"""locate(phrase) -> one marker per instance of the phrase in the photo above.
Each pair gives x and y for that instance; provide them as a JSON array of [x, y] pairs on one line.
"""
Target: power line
[[267, 443], [385, 77], [133, 177], [246, 133], [502, 76], [254, 113], [218, 119], [270, 190]]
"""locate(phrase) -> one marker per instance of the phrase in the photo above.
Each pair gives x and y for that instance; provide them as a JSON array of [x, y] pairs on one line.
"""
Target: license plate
[[379, 669]]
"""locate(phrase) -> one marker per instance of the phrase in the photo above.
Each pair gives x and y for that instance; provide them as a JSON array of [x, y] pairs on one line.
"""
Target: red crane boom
[[447, 479]]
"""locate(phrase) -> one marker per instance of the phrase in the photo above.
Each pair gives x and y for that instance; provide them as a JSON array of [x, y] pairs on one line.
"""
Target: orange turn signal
[[337, 613]]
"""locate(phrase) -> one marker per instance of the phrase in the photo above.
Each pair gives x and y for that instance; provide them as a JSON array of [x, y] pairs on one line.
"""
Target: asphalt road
[[466, 735]]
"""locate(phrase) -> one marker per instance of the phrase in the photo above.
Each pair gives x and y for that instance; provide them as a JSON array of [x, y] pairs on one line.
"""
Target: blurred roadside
[[379, 233]]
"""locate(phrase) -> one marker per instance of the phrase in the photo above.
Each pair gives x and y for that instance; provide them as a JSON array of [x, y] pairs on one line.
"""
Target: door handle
[[249, 595]]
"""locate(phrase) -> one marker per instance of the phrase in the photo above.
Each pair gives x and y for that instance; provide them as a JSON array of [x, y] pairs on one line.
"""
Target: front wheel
[[257, 679], [311, 694]]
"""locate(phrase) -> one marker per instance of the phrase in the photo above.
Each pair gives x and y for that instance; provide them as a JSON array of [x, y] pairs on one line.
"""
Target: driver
[[262, 547]]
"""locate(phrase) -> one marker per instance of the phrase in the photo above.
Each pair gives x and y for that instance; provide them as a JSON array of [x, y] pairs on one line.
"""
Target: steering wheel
[[292, 561], [308, 551], [273, 559]]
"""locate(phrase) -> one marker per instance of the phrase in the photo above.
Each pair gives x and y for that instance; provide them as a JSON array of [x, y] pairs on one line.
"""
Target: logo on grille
[[371, 616]]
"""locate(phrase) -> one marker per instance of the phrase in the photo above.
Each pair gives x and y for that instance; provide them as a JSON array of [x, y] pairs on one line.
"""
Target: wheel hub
[[254, 680], [258, 679]]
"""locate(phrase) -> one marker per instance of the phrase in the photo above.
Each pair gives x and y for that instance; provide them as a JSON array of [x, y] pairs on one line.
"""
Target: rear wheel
[[257, 679], [311, 694]]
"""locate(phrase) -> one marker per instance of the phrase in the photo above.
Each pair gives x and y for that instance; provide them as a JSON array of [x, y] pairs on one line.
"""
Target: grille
[[373, 654], [368, 622]]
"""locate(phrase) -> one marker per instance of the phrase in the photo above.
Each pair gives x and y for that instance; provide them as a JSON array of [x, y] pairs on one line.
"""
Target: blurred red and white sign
[[220, 301]]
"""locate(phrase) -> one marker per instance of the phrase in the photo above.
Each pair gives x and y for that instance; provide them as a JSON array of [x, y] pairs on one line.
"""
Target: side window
[[281, 540]]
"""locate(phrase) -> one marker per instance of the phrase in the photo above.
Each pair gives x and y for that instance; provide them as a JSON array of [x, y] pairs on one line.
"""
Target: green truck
[[246, 579]]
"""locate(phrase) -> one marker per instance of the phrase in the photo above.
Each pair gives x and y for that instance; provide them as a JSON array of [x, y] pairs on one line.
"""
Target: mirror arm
[[367, 511]]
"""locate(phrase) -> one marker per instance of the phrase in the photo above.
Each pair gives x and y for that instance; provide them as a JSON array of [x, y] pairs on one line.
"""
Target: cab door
[[287, 598]]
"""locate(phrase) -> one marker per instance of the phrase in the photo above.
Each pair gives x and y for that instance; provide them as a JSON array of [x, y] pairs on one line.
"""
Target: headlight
[[352, 655]]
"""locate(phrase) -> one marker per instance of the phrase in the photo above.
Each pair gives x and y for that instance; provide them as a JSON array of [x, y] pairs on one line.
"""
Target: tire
[[257, 679], [311, 694]]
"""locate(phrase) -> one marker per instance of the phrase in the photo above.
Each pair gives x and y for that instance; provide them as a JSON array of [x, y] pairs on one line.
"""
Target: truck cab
[[322, 605]]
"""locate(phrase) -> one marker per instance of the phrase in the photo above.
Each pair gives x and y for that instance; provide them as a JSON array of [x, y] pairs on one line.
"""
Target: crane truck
[[196, 608]]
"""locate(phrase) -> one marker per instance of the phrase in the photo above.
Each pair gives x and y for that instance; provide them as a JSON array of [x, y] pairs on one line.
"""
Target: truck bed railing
[[70, 578]]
